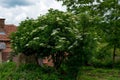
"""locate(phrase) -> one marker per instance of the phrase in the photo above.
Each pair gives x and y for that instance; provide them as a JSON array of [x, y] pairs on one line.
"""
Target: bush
[[107, 63], [103, 58]]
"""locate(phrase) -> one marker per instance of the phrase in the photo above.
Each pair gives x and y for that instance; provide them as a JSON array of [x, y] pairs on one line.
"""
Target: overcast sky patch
[[18, 10], [14, 3]]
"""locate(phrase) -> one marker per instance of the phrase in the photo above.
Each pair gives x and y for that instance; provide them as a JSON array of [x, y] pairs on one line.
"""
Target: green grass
[[9, 71], [88, 73]]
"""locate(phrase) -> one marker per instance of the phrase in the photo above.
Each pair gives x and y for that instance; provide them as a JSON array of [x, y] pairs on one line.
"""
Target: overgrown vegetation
[[90, 73], [87, 34], [9, 71]]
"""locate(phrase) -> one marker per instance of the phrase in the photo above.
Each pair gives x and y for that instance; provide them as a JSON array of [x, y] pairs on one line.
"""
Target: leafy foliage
[[50, 34], [109, 11], [76, 33]]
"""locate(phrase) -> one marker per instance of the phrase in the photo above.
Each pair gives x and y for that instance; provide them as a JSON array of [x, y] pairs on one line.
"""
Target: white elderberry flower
[[27, 45]]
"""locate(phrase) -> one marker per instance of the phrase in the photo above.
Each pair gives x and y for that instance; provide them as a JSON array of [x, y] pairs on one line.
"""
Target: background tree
[[109, 12], [86, 45]]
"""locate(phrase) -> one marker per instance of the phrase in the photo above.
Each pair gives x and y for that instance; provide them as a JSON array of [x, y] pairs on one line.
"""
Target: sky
[[15, 11]]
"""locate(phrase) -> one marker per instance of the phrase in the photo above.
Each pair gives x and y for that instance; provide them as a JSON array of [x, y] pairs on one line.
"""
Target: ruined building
[[5, 31]]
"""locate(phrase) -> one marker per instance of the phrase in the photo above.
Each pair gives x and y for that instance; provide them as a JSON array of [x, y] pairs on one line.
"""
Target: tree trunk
[[58, 59], [114, 52]]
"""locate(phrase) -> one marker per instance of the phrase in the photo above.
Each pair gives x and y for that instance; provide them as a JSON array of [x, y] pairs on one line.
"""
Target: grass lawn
[[8, 71], [88, 73]]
